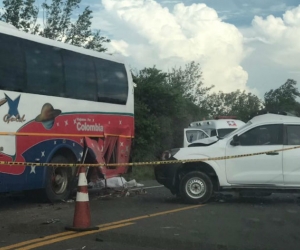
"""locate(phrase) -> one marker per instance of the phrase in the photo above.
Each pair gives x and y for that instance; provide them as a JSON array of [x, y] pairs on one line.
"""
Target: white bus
[[53, 96]]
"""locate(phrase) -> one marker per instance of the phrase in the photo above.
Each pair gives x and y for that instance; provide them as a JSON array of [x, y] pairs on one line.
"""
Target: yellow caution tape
[[61, 135], [147, 163]]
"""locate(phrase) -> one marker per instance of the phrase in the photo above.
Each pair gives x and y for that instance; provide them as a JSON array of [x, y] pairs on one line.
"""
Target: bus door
[[193, 134]]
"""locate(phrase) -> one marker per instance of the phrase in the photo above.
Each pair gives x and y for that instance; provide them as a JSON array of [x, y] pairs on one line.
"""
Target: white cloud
[[169, 1], [282, 37], [120, 46], [149, 34]]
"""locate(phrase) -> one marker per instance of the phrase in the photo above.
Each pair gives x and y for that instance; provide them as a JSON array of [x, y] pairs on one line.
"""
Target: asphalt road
[[155, 220]]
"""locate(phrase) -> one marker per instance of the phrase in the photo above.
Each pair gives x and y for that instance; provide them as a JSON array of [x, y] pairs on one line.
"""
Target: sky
[[247, 45]]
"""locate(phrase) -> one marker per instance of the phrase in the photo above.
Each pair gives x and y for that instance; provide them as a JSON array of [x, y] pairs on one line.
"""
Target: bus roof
[[7, 25], [9, 29]]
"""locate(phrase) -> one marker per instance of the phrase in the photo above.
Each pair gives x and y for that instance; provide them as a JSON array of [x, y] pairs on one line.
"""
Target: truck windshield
[[237, 130], [224, 131]]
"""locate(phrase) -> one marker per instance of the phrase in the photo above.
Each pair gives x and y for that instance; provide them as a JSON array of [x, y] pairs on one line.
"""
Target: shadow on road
[[273, 199]]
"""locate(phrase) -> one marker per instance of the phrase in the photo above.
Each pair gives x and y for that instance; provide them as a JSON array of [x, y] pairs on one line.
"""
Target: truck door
[[193, 134], [291, 170], [264, 169]]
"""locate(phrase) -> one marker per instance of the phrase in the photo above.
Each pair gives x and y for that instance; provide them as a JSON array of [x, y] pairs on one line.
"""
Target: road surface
[[155, 220]]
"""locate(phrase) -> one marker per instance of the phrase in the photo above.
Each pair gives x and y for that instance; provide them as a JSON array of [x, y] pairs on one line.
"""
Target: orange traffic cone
[[82, 215]]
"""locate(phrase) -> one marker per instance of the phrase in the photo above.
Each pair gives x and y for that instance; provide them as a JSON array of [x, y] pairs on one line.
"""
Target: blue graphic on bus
[[13, 105]]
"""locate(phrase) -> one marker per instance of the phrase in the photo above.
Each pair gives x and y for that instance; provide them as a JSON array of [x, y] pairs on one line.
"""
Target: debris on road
[[168, 227], [254, 219], [116, 187], [99, 239], [113, 193], [291, 211], [51, 221], [68, 201], [114, 182]]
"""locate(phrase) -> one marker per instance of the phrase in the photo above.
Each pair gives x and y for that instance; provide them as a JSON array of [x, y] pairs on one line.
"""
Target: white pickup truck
[[219, 127], [273, 171]]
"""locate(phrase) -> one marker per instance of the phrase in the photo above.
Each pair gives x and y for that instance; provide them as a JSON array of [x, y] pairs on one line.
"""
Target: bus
[[54, 97]]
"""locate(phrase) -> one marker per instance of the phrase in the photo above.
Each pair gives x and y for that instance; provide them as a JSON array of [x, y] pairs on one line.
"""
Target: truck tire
[[196, 187], [59, 180]]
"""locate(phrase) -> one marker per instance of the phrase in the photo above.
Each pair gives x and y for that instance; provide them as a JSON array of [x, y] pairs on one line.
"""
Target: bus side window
[[11, 64], [44, 69], [80, 76], [112, 82]]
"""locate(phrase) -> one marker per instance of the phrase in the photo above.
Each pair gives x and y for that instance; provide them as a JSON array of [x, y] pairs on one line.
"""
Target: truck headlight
[[166, 155]]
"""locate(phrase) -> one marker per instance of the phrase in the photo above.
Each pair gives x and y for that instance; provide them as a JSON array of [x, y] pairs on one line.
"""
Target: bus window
[[112, 82], [80, 76], [11, 64], [44, 69]]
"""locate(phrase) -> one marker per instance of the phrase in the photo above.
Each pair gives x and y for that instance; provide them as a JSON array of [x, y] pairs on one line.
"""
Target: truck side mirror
[[235, 141]]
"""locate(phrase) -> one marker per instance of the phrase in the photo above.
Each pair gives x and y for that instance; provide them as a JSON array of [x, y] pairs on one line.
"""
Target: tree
[[189, 82], [283, 98], [162, 111], [156, 103], [22, 14], [57, 22], [237, 103]]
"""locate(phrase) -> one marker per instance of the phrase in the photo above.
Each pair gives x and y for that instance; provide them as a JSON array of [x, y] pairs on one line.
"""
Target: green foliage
[[283, 98], [146, 130], [22, 14], [58, 22], [188, 81], [237, 103], [141, 173], [164, 106]]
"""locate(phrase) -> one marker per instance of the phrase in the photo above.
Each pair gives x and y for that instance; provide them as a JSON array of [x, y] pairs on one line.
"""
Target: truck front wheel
[[196, 187]]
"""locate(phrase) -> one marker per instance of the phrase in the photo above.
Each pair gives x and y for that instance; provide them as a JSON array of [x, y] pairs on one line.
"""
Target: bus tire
[[59, 180]]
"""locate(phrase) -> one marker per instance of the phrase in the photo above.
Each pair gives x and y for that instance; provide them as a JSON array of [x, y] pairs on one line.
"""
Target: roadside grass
[[141, 173]]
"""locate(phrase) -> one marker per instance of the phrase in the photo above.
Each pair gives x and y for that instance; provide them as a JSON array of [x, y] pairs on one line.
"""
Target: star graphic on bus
[[13, 105], [32, 170]]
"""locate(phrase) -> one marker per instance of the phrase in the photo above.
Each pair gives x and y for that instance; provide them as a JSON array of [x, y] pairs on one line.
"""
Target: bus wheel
[[59, 180]]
